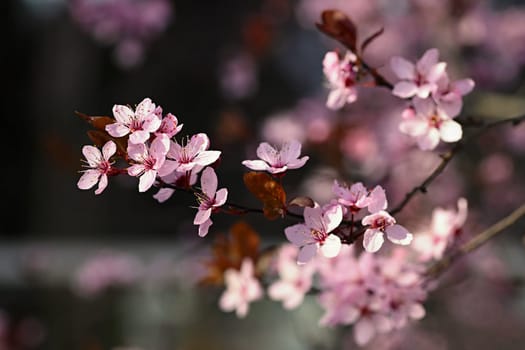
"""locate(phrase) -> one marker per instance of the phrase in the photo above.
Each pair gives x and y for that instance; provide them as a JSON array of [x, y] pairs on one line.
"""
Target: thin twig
[[494, 230], [447, 157]]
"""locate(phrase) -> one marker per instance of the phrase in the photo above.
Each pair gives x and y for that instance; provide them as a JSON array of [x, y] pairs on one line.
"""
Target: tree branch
[[447, 157], [494, 230]]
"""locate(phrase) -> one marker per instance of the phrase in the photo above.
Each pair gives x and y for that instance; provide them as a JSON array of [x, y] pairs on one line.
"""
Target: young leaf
[[340, 27], [269, 192], [229, 252], [302, 202], [98, 122]]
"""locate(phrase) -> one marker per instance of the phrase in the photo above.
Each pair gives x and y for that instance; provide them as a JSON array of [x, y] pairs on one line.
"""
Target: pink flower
[[169, 126], [241, 289], [149, 162], [210, 200], [277, 161], [99, 167], [444, 228], [295, 280], [419, 79], [139, 123], [380, 223], [315, 234], [342, 77], [194, 153], [449, 95], [358, 197], [428, 124]]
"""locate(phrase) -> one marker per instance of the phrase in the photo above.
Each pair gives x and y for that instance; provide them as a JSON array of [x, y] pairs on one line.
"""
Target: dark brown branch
[[447, 157], [437, 268]]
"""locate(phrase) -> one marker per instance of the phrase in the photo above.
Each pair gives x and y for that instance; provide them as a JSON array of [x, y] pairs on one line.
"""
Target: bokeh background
[[79, 271]]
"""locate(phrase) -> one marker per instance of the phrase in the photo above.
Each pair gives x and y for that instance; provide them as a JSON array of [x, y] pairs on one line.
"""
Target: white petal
[[123, 114], [146, 180], [430, 140], [373, 240], [258, 165], [399, 235], [405, 89], [88, 179], [331, 246], [450, 131], [92, 155]]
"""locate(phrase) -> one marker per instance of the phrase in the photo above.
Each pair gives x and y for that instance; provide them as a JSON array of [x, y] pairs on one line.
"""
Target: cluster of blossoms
[[435, 99], [375, 293], [156, 158], [128, 24]]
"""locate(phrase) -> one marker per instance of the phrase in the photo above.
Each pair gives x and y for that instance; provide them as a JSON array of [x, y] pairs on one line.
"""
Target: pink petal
[[378, 200], [202, 216], [205, 227], [88, 179], [168, 167], [102, 184], [398, 235], [139, 136], [220, 197], [92, 155], [135, 169], [463, 86], [258, 165], [450, 131], [160, 146], [209, 182], [416, 311], [306, 253], [290, 151], [175, 150], [373, 240], [331, 246], [206, 157], [364, 331], [137, 151], [424, 91], [109, 149], [146, 180], [298, 234], [428, 61], [414, 127], [297, 163], [123, 114], [405, 89], [436, 72], [402, 68], [450, 104], [164, 194], [145, 108], [313, 218], [336, 99], [332, 217], [267, 153], [461, 216], [151, 123], [430, 140], [198, 143]]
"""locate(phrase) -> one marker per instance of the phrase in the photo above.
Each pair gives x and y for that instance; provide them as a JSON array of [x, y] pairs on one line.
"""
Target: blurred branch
[[447, 157], [476, 242]]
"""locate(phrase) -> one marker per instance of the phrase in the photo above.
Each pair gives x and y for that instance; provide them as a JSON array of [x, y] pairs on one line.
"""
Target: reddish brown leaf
[[371, 38], [98, 122], [229, 252], [340, 27], [269, 192], [302, 202]]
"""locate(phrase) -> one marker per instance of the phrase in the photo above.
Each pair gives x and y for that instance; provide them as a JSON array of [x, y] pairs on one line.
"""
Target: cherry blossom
[[444, 228], [149, 161], [242, 288], [419, 79], [169, 126], [380, 223], [99, 167], [277, 161], [341, 76], [358, 197], [194, 154], [295, 280], [449, 95], [428, 124], [314, 234], [210, 200], [139, 123]]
